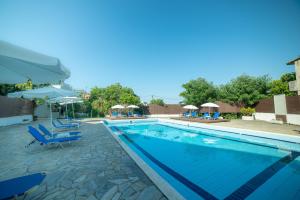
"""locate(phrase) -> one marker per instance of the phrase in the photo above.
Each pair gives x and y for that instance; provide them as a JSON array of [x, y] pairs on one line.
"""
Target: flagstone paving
[[94, 168]]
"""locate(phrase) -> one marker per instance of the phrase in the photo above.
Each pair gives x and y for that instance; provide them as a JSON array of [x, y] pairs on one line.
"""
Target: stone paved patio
[[94, 168]]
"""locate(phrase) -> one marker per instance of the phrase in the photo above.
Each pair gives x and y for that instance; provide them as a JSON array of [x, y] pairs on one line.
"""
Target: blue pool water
[[207, 164]]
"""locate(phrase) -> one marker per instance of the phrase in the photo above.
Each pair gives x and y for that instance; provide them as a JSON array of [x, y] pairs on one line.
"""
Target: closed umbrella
[[18, 65]]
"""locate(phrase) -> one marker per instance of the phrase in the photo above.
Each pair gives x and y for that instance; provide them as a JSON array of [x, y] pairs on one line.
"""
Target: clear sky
[[154, 46]]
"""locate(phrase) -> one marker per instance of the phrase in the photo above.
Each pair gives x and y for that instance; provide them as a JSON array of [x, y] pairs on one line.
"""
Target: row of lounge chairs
[[46, 137], [206, 115], [14, 187], [129, 114]]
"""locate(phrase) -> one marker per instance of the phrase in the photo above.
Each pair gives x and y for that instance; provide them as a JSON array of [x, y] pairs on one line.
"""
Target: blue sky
[[154, 46]]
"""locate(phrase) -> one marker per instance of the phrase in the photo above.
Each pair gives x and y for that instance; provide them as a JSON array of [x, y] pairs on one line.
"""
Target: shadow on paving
[[96, 167]]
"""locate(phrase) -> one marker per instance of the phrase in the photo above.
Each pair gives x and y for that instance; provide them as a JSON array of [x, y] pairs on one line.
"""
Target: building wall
[[284, 108], [15, 111], [176, 109], [169, 109], [297, 70], [265, 106], [265, 116], [15, 107], [293, 104]]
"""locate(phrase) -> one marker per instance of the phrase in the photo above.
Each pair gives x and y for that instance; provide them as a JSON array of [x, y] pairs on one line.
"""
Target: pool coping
[[240, 131], [169, 191]]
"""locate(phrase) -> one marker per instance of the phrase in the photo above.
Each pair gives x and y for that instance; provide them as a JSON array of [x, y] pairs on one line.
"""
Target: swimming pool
[[204, 163]]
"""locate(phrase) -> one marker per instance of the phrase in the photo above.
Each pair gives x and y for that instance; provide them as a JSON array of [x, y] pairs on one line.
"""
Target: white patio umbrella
[[210, 105], [67, 100], [190, 107], [18, 64], [43, 93], [49, 92], [132, 107], [119, 107]]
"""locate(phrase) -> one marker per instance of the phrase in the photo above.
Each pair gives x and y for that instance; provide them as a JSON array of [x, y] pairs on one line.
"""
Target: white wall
[[42, 111], [5, 121], [265, 116], [280, 104], [293, 119]]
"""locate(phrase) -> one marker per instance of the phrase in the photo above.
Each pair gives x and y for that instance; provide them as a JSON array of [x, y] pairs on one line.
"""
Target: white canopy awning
[[66, 100], [118, 107], [190, 107], [45, 92], [210, 105], [18, 65]]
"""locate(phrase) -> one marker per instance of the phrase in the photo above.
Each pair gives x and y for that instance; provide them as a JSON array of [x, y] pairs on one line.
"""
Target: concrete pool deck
[[262, 126], [95, 167]]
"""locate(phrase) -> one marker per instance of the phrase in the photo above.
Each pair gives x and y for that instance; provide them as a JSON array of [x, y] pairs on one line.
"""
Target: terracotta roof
[[293, 61]]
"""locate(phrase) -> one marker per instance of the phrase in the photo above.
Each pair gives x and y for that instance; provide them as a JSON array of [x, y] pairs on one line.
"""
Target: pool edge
[[169, 191]]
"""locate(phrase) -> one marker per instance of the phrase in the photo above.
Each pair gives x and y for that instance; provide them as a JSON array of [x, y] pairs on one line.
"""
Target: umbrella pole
[[73, 111], [51, 119], [67, 111]]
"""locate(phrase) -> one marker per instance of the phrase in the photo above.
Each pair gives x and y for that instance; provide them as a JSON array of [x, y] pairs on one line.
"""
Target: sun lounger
[[63, 126], [59, 134], [18, 186], [206, 115], [216, 116], [114, 114], [69, 123], [194, 114], [130, 114], [44, 141]]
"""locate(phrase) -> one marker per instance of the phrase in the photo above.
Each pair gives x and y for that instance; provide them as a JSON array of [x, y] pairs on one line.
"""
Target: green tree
[[281, 86], [102, 99], [245, 90], [199, 91], [157, 102]]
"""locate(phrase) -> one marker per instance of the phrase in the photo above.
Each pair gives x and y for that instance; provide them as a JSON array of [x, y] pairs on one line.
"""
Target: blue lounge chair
[[206, 115], [130, 114], [43, 141], [114, 114], [57, 135], [63, 126], [194, 114], [216, 115], [186, 114], [18, 186], [137, 115]]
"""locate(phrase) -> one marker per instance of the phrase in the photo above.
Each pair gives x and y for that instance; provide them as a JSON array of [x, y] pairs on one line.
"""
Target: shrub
[[247, 111], [231, 115]]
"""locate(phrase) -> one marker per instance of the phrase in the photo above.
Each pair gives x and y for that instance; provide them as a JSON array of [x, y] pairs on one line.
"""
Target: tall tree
[[281, 86], [157, 102], [245, 90], [102, 99], [199, 91]]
